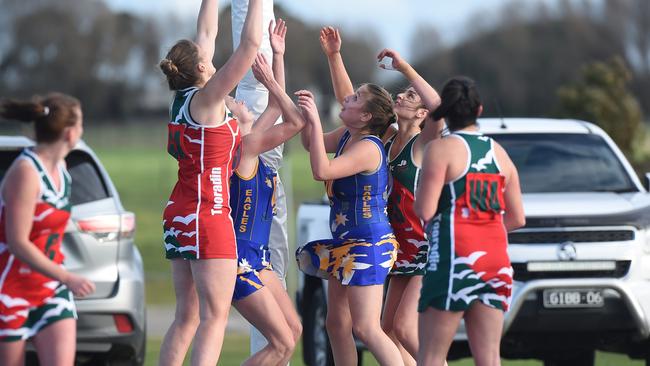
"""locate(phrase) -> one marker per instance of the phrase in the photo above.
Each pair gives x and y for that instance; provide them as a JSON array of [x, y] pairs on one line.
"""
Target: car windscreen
[[565, 163], [87, 182]]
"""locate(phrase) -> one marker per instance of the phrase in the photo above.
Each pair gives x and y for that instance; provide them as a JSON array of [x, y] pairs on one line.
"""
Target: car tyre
[[316, 345]]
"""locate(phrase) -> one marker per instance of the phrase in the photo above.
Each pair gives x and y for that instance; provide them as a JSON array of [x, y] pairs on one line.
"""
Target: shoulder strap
[[380, 145], [344, 139]]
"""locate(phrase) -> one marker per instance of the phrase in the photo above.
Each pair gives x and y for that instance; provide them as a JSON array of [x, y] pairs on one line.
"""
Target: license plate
[[573, 298]]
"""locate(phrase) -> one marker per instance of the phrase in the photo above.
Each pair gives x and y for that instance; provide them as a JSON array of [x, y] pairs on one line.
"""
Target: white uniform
[[256, 96]]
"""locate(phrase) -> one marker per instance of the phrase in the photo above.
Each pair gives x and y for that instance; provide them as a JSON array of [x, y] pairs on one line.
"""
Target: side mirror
[[646, 181]]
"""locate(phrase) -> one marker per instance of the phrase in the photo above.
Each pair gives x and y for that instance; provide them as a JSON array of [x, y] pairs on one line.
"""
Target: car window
[[565, 163], [87, 182], [6, 158]]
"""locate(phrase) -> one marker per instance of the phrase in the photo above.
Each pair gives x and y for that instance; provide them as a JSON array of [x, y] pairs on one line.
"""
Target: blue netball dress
[[363, 248], [253, 201]]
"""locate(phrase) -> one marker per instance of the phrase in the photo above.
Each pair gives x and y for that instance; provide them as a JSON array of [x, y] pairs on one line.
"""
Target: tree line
[[520, 62]]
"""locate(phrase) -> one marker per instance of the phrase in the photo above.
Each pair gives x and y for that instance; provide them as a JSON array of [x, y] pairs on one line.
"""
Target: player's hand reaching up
[[398, 63], [262, 70], [330, 40], [307, 105], [277, 35]]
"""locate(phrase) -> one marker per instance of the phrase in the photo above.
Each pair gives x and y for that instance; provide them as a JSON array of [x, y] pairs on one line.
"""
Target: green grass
[[235, 351]]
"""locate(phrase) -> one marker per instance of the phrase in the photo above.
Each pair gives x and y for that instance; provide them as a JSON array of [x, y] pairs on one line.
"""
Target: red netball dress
[[29, 300], [197, 222], [413, 247]]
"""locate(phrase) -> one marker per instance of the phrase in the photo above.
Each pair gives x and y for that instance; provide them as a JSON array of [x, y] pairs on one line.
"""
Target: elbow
[[521, 221], [517, 222], [251, 43], [318, 176], [421, 212]]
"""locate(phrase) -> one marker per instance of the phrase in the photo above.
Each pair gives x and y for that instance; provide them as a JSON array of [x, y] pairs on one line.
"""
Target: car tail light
[[123, 323], [109, 227]]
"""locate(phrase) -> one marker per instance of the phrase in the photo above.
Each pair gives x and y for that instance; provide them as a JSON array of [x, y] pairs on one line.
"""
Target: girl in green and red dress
[[35, 289], [469, 198]]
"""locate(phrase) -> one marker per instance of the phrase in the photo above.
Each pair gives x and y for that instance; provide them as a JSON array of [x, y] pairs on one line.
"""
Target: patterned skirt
[[251, 259], [362, 256]]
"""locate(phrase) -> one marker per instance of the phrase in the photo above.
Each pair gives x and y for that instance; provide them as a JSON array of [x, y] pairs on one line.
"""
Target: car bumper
[[97, 329]]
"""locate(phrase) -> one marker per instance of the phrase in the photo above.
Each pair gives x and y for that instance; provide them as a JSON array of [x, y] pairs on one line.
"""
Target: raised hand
[[398, 63], [330, 40], [277, 35], [262, 70], [307, 105]]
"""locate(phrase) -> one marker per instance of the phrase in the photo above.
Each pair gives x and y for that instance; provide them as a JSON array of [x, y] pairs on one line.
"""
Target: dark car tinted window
[[87, 183], [565, 163], [6, 158]]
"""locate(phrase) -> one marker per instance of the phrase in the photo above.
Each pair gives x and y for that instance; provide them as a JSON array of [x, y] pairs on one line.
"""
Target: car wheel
[[573, 358], [316, 345]]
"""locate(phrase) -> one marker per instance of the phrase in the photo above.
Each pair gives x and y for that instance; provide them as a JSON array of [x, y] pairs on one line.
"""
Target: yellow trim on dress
[[257, 165]]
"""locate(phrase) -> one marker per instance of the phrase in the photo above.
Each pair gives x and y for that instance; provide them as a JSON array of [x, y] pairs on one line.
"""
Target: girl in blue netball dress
[[469, 198], [404, 149], [259, 295], [363, 249]]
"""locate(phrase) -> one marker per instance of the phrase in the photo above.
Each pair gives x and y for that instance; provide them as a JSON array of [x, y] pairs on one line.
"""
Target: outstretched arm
[[207, 26], [362, 156], [330, 41], [225, 80], [262, 140], [277, 35], [430, 97]]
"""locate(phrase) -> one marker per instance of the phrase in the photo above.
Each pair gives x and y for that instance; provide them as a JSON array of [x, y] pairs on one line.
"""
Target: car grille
[[521, 272], [557, 237]]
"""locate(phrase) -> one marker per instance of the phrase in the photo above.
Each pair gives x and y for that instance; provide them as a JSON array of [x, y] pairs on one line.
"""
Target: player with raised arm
[[204, 138]]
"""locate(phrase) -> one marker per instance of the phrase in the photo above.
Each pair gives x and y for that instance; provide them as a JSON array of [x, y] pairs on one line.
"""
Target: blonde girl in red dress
[[198, 230]]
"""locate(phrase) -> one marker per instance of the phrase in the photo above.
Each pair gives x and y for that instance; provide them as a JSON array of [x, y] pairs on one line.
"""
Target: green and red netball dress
[[468, 259], [413, 247], [29, 300], [197, 222]]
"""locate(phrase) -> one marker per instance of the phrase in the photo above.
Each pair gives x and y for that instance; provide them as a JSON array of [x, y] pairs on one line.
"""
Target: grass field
[[144, 175], [235, 350]]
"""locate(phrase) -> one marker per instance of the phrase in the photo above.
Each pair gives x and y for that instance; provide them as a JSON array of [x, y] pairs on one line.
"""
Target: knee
[[213, 311], [387, 325], [284, 346], [296, 330], [364, 330], [186, 317], [403, 332], [336, 325]]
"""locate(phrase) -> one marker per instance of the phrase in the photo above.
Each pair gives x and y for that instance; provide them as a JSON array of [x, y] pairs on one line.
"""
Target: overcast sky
[[393, 20]]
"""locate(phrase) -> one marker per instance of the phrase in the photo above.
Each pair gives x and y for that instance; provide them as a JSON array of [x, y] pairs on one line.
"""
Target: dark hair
[[51, 114], [379, 103], [180, 65], [460, 103]]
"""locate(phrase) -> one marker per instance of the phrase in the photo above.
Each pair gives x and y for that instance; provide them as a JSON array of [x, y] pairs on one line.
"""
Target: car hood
[[544, 209]]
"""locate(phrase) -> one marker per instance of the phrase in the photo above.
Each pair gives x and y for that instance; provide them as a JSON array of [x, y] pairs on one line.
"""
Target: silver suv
[[98, 245], [581, 264]]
